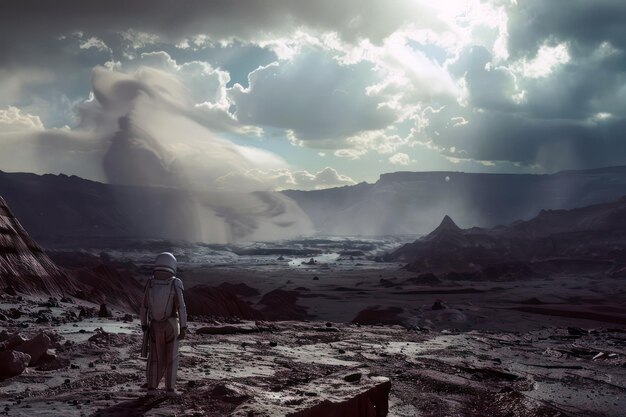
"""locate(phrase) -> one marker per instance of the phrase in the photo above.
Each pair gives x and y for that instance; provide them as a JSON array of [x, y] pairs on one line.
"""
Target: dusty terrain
[[498, 349], [325, 327]]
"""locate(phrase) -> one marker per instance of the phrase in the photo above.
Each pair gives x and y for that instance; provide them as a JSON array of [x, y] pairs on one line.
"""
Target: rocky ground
[[306, 368]]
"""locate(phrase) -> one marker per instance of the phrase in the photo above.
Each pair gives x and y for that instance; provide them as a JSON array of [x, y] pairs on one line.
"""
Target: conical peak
[[448, 224]]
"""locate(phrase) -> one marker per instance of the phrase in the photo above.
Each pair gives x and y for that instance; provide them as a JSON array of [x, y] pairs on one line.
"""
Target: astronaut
[[164, 322]]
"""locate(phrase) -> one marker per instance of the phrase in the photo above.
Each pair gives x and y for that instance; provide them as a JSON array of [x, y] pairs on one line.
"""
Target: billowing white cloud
[[548, 58], [140, 129], [13, 120], [400, 159]]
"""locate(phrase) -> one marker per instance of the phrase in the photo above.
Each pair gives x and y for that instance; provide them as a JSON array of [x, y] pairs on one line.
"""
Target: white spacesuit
[[164, 317]]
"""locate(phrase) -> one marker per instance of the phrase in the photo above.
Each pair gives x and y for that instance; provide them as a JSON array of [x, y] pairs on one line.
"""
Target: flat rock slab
[[337, 395]]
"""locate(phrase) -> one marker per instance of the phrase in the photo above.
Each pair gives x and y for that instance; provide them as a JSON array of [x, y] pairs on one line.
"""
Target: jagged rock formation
[[23, 263]]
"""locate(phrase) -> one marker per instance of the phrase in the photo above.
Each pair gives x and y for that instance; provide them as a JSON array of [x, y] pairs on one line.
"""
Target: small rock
[[128, 318], [273, 344], [354, 377], [577, 331], [104, 312], [439, 305], [315, 278]]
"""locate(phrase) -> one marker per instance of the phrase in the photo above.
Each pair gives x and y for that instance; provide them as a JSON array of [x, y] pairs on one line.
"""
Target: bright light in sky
[[314, 94]]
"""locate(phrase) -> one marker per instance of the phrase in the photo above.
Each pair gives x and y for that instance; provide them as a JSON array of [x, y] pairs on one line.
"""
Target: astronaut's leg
[[171, 354], [157, 355]]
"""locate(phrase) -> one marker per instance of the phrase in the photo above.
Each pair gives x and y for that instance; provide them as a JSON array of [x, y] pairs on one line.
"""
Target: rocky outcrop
[[18, 353], [283, 305], [240, 289], [344, 394], [203, 300], [100, 280], [24, 266], [378, 315]]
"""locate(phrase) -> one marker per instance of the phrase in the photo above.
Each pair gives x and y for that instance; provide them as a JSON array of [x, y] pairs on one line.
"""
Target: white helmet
[[165, 262]]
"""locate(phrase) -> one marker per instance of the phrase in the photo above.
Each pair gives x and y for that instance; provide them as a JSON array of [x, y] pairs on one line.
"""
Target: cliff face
[[23, 263], [413, 202]]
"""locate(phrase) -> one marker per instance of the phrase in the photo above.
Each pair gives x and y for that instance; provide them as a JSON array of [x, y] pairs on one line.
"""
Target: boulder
[[13, 363], [35, 347], [104, 311], [13, 340]]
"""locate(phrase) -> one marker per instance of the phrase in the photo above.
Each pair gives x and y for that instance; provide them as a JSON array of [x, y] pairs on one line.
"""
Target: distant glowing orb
[[447, 178]]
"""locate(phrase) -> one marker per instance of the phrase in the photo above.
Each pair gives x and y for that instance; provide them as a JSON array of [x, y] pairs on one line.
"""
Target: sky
[[277, 94]]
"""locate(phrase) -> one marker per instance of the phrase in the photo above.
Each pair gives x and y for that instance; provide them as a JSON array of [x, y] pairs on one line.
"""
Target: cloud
[[585, 25], [12, 120], [348, 78], [316, 98], [378, 141], [142, 21], [486, 86], [400, 159], [95, 43], [545, 144], [282, 179], [139, 129]]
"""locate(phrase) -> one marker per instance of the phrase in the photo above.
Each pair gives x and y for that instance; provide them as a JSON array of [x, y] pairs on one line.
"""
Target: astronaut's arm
[[180, 302]]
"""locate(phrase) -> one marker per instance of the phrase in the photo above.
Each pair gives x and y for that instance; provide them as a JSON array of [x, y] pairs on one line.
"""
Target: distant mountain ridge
[[57, 209], [61, 209], [414, 202], [592, 235]]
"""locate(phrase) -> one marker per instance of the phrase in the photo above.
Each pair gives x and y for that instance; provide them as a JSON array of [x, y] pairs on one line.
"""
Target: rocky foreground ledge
[[75, 363]]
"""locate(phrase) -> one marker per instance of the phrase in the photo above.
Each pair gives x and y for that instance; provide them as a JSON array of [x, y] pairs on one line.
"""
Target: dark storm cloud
[[38, 23], [551, 144], [534, 109], [488, 88], [314, 96], [585, 24]]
